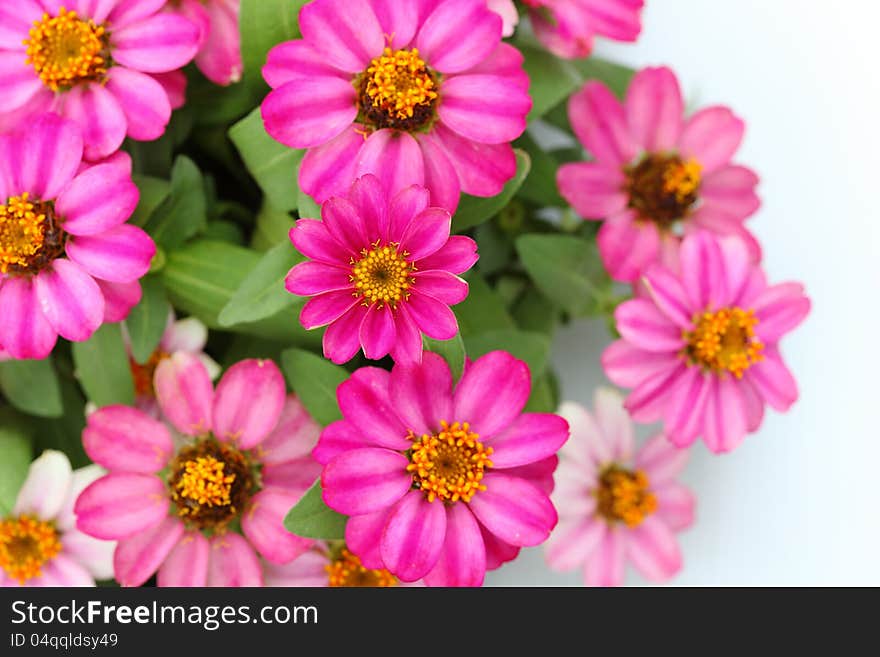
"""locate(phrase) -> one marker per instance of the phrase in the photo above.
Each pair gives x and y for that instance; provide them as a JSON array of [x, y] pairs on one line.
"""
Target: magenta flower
[[655, 175], [440, 481], [381, 272], [94, 63], [68, 260], [39, 542], [616, 503], [219, 56], [417, 93], [701, 351], [174, 505], [568, 27]]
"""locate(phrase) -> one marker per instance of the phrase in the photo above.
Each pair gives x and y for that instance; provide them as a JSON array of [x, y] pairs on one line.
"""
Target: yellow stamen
[[623, 496], [725, 341], [26, 545], [382, 275], [398, 82], [205, 482], [22, 232], [142, 373], [449, 465], [347, 570], [663, 188], [66, 49], [682, 179]]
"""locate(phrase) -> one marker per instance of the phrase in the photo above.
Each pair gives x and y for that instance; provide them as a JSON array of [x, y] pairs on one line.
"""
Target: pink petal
[[120, 255], [711, 137], [138, 557], [731, 189], [588, 447], [92, 554], [187, 564], [614, 423], [413, 537], [220, 56], [79, 479], [329, 169], [97, 10], [702, 271], [24, 333], [120, 505], [99, 116], [458, 35], [483, 169], [325, 308], [441, 177], [773, 381], [129, 11], [668, 293], [346, 39], [342, 338], [289, 111], [605, 566], [71, 300], [365, 480], [627, 366], [311, 277], [46, 156], [531, 437], [599, 122], [648, 401], [143, 100], [308, 570], [754, 405], [293, 437], [363, 536], [426, 234], [163, 42], [365, 402], [20, 84], [661, 461], [294, 60], [595, 191], [45, 489], [185, 393], [653, 550], [513, 509], [684, 414], [377, 332], [233, 562], [371, 204], [492, 393], [645, 327], [485, 108], [505, 61], [122, 438], [15, 21], [675, 506], [399, 20], [628, 246], [119, 299], [405, 206], [780, 309], [174, 84], [394, 157], [312, 238], [97, 200], [248, 402], [725, 419], [572, 542], [295, 476], [498, 552], [66, 572], [422, 393], [408, 348], [443, 286], [457, 256], [462, 561], [345, 224], [432, 316], [263, 525], [654, 109]]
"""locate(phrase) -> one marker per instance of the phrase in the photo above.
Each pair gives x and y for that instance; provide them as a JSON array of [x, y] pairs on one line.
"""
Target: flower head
[[175, 506], [382, 272], [68, 260], [93, 63], [39, 542], [568, 27], [415, 93], [219, 56], [616, 503], [655, 174], [700, 350], [440, 482]]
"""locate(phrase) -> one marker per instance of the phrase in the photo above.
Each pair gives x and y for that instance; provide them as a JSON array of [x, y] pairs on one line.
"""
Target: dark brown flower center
[[663, 188], [397, 91], [30, 235]]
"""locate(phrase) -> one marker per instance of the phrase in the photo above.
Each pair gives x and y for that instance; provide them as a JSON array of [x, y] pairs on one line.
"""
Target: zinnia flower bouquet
[[279, 281]]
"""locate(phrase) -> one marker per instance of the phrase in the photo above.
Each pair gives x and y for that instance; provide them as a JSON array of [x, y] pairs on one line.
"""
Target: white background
[[797, 503]]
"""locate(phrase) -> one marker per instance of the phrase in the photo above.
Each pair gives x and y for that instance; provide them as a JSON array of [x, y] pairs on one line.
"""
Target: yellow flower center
[[142, 374], [26, 544], [29, 235], [210, 483], [725, 341], [347, 570], [398, 90], [449, 465], [65, 50], [663, 188], [382, 275], [623, 496]]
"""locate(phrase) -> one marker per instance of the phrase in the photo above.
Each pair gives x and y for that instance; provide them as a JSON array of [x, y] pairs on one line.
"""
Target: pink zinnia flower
[[219, 56], [417, 93], [68, 260], [92, 62], [655, 175], [39, 542], [701, 350], [438, 480], [172, 505], [382, 272], [616, 503], [568, 27]]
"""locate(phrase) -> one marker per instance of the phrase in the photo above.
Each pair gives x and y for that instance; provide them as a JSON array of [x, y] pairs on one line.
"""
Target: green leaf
[[533, 348], [535, 312], [65, 433], [273, 227], [306, 206], [314, 380], [473, 210], [540, 185], [452, 352], [274, 166], [153, 192], [182, 214], [567, 270], [32, 386], [264, 24], [544, 397], [262, 293], [15, 459], [483, 310], [223, 231], [312, 518], [552, 80], [615, 76], [496, 248], [148, 319], [103, 369]]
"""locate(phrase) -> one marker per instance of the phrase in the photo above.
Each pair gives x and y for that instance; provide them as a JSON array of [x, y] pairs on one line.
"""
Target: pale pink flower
[[568, 27], [219, 56], [508, 12]]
